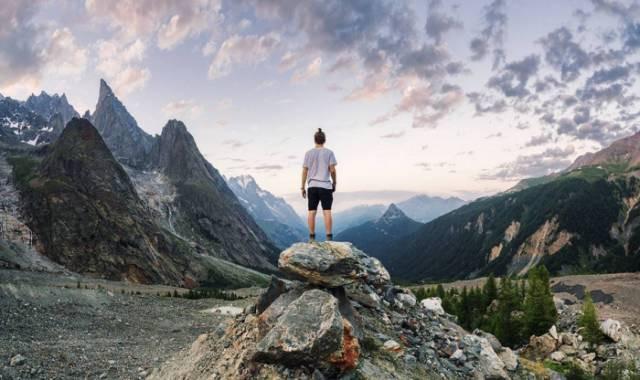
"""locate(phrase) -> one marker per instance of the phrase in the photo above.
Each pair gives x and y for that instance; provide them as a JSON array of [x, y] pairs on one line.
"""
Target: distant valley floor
[[69, 333]]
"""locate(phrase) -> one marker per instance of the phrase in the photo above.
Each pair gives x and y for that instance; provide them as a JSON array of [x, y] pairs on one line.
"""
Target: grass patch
[[570, 371]]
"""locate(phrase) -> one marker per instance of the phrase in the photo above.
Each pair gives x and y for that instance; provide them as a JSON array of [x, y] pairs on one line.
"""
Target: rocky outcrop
[[332, 264], [316, 328]]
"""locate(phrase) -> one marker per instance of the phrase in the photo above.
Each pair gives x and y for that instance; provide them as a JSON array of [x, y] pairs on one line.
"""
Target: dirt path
[[70, 333]]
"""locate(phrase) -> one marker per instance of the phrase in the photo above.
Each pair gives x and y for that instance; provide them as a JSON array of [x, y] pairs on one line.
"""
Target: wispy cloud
[[393, 135]]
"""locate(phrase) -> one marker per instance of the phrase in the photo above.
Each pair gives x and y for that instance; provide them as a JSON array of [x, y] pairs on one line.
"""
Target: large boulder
[[540, 347], [277, 287], [332, 264], [309, 330], [432, 304], [612, 329], [488, 365]]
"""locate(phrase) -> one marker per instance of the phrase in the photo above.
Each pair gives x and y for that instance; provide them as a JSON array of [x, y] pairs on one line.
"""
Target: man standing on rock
[[319, 174]]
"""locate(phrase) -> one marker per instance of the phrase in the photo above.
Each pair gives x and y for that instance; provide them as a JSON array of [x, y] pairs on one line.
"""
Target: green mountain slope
[[585, 220]]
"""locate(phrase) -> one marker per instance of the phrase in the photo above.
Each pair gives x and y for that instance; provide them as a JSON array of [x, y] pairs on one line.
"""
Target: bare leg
[[328, 221], [311, 219]]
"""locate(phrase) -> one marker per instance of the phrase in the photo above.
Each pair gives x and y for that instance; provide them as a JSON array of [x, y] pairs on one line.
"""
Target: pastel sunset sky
[[441, 97]]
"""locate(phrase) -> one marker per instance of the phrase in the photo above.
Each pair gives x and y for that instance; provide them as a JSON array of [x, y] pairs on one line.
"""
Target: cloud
[[312, 70], [439, 23], [494, 135], [393, 135], [64, 56], [268, 167], [30, 51], [170, 21], [542, 139], [181, 108], [534, 165], [373, 86], [426, 105], [491, 37], [512, 80], [120, 63], [486, 104], [626, 11], [237, 50], [563, 54], [288, 61], [235, 143], [424, 166]]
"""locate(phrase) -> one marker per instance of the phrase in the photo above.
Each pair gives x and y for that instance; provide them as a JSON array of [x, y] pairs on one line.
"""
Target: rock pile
[[340, 317], [568, 347]]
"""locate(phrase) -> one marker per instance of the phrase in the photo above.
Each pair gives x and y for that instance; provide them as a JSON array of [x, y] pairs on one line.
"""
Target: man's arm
[[334, 176], [305, 171]]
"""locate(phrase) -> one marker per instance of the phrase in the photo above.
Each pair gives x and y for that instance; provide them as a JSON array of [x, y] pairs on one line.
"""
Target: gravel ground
[[97, 333]]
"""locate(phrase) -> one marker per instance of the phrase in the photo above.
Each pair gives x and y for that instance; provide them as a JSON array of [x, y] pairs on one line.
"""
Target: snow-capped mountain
[[272, 213], [47, 105], [19, 124]]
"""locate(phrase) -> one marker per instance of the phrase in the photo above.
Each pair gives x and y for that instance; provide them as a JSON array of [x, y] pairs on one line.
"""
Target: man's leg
[[311, 219], [328, 223]]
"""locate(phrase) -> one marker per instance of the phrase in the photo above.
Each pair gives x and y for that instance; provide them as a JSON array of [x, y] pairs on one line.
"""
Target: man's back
[[318, 160]]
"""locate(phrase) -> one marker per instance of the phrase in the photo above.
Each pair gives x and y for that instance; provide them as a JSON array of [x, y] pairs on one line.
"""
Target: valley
[[100, 330]]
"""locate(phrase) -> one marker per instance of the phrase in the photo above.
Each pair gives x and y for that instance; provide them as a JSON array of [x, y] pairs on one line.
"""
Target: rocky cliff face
[[624, 153], [127, 141], [88, 217], [343, 319], [207, 211]]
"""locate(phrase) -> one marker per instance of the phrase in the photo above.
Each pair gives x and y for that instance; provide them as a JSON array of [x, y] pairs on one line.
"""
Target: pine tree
[[505, 326], [464, 311], [440, 291], [589, 322], [490, 291], [539, 308]]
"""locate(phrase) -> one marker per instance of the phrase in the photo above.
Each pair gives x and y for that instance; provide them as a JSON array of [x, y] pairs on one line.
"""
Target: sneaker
[[312, 238], [329, 237]]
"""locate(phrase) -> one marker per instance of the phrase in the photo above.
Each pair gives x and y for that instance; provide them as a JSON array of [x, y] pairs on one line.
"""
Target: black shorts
[[319, 195]]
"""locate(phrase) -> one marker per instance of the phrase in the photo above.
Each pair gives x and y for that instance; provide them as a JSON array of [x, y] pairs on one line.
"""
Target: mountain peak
[[105, 90], [244, 180], [128, 142], [393, 212]]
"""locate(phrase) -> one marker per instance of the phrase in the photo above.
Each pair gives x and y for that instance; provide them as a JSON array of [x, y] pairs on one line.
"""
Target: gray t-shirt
[[317, 160]]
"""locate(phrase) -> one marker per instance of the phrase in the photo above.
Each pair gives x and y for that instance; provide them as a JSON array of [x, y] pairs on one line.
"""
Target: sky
[[454, 98]]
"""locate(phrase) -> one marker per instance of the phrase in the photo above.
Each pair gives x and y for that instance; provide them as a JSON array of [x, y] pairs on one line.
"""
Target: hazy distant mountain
[[424, 208], [47, 105], [276, 217], [352, 217], [128, 142], [376, 236]]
